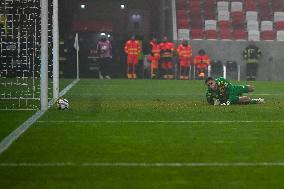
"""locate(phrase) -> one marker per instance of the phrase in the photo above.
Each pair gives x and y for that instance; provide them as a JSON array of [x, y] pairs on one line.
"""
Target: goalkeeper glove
[[216, 102], [226, 103]]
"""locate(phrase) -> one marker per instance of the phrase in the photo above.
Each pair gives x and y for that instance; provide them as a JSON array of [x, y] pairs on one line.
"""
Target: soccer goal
[[29, 47]]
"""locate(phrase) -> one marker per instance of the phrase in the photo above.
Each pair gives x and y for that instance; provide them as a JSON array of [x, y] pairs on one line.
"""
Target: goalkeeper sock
[[257, 101], [253, 101]]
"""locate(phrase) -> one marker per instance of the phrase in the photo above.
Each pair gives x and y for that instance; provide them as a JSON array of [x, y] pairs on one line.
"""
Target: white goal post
[[28, 33]]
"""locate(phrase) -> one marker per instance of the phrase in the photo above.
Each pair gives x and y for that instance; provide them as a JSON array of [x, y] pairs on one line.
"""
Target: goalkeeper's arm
[[212, 98]]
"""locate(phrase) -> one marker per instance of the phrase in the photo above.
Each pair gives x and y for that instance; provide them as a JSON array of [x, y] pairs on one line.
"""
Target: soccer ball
[[62, 104]]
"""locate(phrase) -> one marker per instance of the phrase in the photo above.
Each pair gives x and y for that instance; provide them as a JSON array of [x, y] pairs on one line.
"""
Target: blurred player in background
[[167, 52], [132, 48], [201, 62], [104, 49], [154, 57], [222, 92], [184, 51]]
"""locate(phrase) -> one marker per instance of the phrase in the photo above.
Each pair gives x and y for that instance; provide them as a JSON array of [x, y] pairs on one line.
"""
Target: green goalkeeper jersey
[[222, 93], [226, 92]]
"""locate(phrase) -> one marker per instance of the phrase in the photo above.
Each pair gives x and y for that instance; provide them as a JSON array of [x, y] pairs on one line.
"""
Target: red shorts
[[154, 62], [184, 62], [167, 65], [201, 66], [132, 59]]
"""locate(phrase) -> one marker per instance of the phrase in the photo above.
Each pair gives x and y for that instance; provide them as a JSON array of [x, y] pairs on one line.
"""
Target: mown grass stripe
[[144, 164], [14, 135]]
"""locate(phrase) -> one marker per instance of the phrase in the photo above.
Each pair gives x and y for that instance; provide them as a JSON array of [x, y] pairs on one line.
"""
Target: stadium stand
[[280, 36], [250, 5], [279, 25], [197, 34], [253, 35], [267, 35], [232, 19], [222, 6], [252, 25], [181, 4], [209, 9], [277, 5], [236, 6], [210, 25], [223, 15], [266, 26], [251, 16], [211, 34], [265, 13], [225, 34]]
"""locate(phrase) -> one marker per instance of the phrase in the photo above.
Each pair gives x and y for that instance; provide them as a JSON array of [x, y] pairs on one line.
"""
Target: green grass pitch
[[141, 134]]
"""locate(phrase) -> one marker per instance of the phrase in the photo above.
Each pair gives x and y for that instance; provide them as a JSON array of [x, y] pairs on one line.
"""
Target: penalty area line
[[160, 121], [145, 164]]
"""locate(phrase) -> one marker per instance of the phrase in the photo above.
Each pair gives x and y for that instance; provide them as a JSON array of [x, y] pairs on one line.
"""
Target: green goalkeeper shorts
[[235, 91]]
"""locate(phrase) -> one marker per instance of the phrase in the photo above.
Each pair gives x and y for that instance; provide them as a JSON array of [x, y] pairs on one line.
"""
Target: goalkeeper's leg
[[248, 100], [257, 101]]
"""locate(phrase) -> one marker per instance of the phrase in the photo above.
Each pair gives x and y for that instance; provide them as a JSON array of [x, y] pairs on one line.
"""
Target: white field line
[[6, 142], [267, 94], [145, 164], [14, 135], [159, 121], [169, 94], [15, 110]]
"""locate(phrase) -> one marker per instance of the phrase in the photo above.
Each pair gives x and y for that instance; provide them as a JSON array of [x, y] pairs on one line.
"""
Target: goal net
[[20, 38]]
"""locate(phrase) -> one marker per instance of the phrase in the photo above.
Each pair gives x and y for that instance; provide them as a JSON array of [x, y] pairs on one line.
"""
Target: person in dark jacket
[[251, 56]]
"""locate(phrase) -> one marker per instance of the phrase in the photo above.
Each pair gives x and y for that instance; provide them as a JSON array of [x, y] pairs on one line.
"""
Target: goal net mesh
[[20, 37]]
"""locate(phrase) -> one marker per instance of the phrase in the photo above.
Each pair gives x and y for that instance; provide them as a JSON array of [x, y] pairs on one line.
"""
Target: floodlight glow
[[122, 6], [83, 6]]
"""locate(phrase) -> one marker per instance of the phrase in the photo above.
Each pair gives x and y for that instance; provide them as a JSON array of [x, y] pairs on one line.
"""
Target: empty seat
[[236, 6], [277, 5], [265, 13], [197, 34], [225, 34], [209, 3], [266, 26], [183, 34], [252, 25], [239, 34], [224, 24], [211, 34], [210, 24], [267, 35], [279, 25], [250, 5], [237, 18], [196, 23], [263, 4], [222, 6], [182, 24], [280, 36], [181, 14], [181, 4], [194, 6], [251, 15], [223, 15], [253, 35], [209, 15], [278, 16]]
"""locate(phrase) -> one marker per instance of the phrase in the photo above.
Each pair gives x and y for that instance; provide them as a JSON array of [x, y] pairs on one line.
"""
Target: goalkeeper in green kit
[[222, 92]]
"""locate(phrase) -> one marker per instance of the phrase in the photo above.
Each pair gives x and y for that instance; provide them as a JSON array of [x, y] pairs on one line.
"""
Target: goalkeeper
[[222, 92]]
